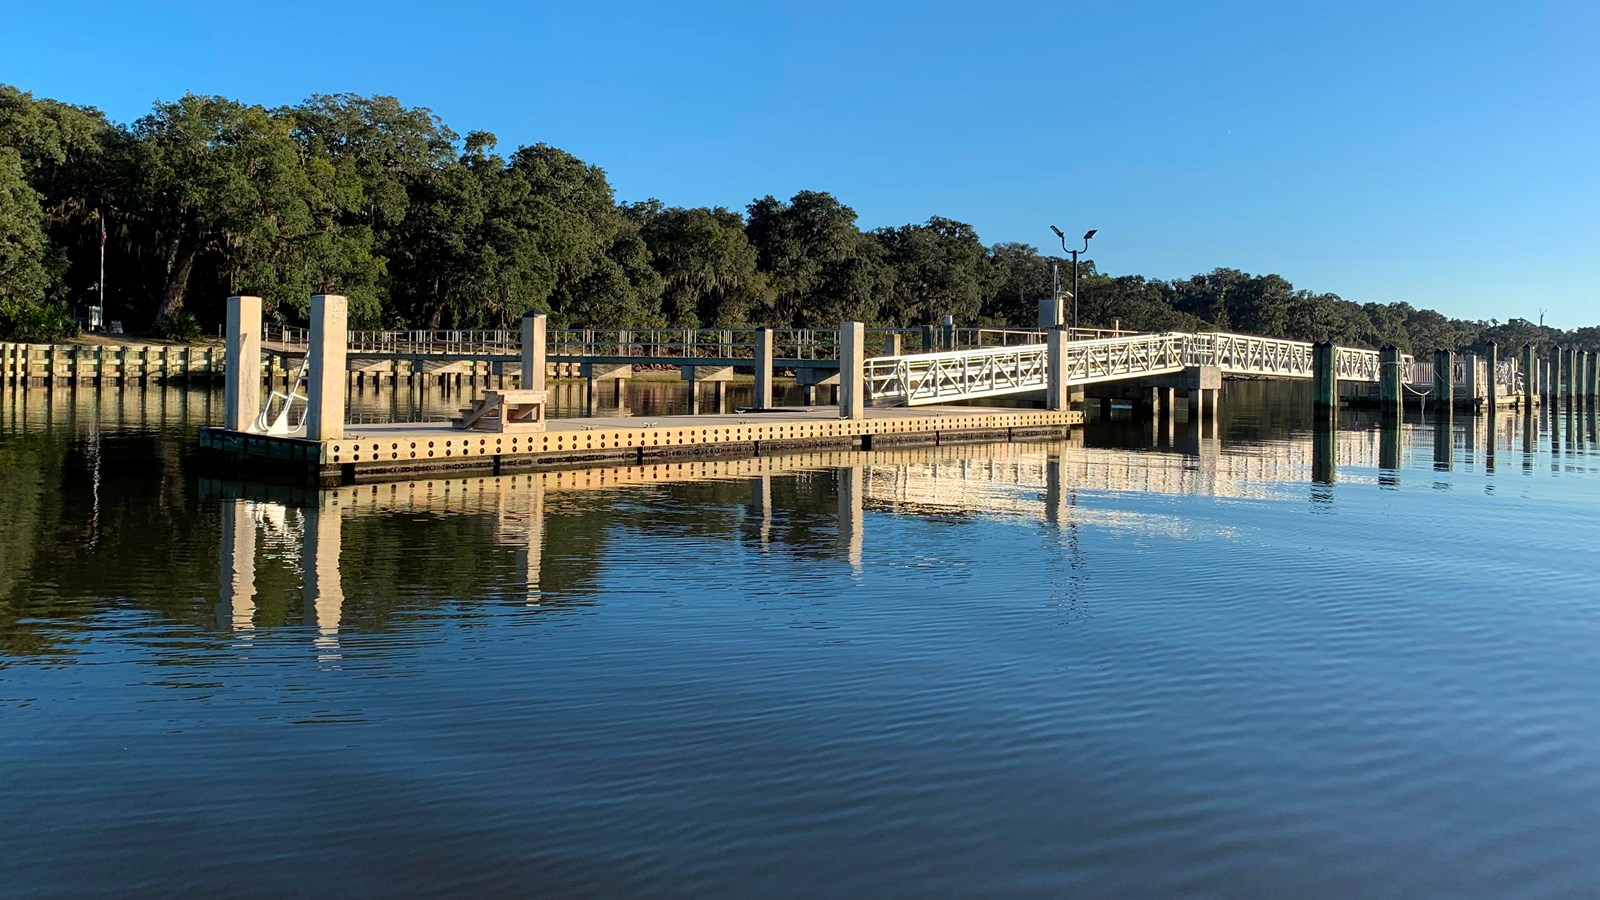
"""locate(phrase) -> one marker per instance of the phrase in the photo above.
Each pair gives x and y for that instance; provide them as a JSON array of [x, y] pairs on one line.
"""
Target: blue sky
[[1440, 153]]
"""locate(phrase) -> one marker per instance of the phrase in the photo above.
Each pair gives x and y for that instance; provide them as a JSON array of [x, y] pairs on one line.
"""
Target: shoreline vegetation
[[421, 227]]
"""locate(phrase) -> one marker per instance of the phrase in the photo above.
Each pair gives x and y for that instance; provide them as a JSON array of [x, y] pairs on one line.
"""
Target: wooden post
[[1470, 368], [1444, 377], [1391, 389], [1056, 392], [533, 351], [326, 378], [852, 371], [1528, 386], [1492, 357], [948, 333], [763, 398], [1324, 378], [927, 339], [1197, 405], [1575, 377], [892, 344], [1552, 393], [241, 392]]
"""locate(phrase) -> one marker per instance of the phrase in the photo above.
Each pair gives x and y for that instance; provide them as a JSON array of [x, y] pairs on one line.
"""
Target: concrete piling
[[534, 327], [1056, 392], [852, 371], [325, 388], [242, 385], [763, 399]]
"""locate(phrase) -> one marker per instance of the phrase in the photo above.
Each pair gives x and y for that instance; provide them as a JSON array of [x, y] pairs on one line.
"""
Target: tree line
[[421, 227]]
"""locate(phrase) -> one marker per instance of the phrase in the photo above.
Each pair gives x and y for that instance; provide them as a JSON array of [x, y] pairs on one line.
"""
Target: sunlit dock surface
[[401, 450]]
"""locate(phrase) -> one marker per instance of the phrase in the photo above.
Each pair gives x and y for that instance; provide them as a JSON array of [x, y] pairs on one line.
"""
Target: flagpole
[[102, 218]]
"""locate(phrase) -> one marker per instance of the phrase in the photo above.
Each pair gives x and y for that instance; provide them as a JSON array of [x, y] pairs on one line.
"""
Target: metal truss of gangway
[[933, 378]]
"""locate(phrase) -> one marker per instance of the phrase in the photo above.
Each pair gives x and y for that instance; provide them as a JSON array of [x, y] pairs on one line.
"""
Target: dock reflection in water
[[1044, 481]]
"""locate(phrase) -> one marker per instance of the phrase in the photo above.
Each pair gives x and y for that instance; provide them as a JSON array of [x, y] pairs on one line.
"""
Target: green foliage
[[24, 279], [422, 228], [181, 327], [822, 268], [940, 270], [709, 271], [41, 322]]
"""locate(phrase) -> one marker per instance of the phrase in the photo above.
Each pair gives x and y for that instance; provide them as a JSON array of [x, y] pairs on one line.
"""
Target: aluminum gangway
[[932, 378]]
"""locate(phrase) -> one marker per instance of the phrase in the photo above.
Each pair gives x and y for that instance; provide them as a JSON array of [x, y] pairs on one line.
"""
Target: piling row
[[22, 364]]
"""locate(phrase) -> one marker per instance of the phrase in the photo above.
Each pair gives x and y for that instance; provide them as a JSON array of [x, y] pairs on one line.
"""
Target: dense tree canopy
[[422, 228]]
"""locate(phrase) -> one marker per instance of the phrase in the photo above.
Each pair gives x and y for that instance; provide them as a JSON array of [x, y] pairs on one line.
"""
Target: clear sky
[[1440, 153]]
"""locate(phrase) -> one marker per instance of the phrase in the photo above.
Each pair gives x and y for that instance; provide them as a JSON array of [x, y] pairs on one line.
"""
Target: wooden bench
[[504, 411]]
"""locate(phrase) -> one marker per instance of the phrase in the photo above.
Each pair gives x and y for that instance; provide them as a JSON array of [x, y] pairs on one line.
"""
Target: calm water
[[1261, 663]]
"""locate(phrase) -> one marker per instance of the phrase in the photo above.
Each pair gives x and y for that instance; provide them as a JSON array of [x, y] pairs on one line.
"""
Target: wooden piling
[[1492, 357], [1324, 377], [1444, 377], [1391, 396], [1553, 385]]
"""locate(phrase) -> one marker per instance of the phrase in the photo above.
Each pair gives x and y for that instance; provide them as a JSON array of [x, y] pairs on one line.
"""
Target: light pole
[[1086, 236]]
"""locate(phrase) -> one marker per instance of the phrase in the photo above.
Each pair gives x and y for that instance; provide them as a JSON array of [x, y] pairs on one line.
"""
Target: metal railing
[[649, 343], [671, 343], [957, 375], [992, 371]]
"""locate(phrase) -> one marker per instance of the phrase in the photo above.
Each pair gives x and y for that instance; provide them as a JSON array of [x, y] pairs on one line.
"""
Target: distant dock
[[894, 399]]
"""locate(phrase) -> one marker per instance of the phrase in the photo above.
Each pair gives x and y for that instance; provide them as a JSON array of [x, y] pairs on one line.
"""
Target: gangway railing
[[919, 379], [646, 343]]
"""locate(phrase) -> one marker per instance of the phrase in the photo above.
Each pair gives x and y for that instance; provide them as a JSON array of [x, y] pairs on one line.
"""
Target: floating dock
[[368, 453]]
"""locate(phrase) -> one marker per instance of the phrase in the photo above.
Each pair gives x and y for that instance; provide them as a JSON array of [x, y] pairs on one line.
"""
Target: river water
[[1248, 660]]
